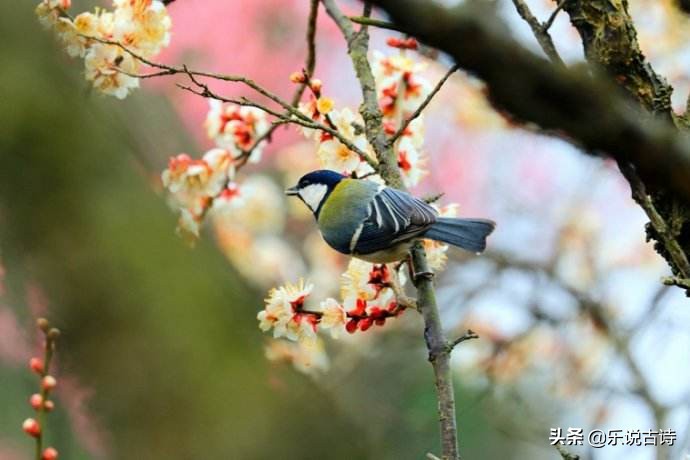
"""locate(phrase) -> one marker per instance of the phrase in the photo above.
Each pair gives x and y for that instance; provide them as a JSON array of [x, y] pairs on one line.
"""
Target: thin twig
[[374, 22], [665, 234], [539, 31], [423, 105], [565, 455], [434, 198], [469, 335], [204, 91], [549, 22]]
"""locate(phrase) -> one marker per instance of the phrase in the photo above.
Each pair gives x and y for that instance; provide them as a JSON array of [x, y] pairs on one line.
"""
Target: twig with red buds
[[39, 401]]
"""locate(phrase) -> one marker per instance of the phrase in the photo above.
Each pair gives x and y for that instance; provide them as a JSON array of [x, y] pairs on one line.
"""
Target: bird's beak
[[292, 191]]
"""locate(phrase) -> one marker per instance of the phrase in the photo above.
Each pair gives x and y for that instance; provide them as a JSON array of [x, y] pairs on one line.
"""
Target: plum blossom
[[193, 182], [401, 91], [283, 313], [236, 128], [308, 358], [107, 66], [410, 162], [311, 110], [263, 259], [335, 155], [48, 11], [258, 206], [333, 316], [401, 88], [142, 26], [366, 281]]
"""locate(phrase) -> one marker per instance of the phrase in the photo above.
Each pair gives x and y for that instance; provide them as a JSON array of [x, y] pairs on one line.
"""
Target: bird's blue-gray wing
[[393, 217]]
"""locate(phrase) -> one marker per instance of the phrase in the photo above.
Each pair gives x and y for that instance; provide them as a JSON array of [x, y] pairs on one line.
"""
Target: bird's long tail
[[469, 234]]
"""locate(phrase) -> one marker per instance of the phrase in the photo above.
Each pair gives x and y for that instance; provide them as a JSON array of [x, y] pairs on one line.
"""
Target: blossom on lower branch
[[368, 300], [285, 314]]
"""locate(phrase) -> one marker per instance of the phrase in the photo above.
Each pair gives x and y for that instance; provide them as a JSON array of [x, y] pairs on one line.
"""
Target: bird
[[379, 224]]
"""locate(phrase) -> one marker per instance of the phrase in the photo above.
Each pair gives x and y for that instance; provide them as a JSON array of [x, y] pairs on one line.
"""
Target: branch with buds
[[35, 427]]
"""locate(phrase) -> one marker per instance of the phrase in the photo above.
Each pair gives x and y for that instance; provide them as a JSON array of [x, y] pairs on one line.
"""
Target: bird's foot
[[429, 275], [417, 275]]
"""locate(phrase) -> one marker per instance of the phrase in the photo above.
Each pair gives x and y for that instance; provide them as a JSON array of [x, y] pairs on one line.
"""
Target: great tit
[[379, 224]]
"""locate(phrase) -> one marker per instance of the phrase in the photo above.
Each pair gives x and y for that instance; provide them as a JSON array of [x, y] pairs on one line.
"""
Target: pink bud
[[351, 326], [365, 323], [31, 427], [316, 85], [297, 77], [49, 454], [36, 365], [48, 405], [48, 382], [36, 401]]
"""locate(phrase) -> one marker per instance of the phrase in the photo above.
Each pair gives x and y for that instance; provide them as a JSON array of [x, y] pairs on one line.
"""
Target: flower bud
[[53, 333], [365, 324], [49, 454], [36, 401], [351, 326], [42, 324], [36, 365], [31, 427], [297, 77], [48, 382], [316, 85], [403, 44], [48, 405]]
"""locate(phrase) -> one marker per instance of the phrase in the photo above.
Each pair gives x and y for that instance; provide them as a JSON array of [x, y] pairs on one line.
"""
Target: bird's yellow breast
[[343, 212]]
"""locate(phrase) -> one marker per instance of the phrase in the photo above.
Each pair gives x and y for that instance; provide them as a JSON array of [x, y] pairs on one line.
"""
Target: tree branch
[[437, 345], [358, 45], [587, 111], [558, 99], [422, 106], [610, 42], [539, 30]]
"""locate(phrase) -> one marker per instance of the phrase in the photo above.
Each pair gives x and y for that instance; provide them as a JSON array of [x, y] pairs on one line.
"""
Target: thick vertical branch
[[358, 46], [437, 345], [439, 354]]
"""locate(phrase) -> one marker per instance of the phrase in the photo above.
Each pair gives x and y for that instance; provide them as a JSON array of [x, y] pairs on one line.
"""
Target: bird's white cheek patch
[[313, 195]]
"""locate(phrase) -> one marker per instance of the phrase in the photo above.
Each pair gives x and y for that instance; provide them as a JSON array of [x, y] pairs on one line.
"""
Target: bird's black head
[[313, 188]]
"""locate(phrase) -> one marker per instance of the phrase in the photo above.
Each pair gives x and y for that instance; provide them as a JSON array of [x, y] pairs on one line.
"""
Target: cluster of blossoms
[[199, 185], [401, 90], [141, 26], [368, 298], [39, 401], [237, 129]]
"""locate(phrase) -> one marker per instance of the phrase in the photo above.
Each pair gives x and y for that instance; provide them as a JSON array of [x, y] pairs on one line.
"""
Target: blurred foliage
[[165, 337]]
